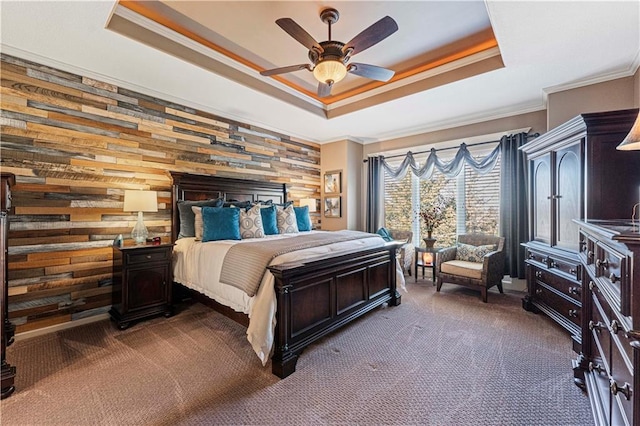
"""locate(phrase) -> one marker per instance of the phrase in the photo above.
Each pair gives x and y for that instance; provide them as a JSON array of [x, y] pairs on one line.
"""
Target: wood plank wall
[[75, 144]]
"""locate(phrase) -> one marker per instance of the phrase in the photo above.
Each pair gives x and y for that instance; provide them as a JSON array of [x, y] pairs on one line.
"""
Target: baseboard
[[59, 327]]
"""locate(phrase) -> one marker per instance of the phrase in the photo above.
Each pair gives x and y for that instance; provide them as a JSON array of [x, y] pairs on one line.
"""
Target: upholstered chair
[[407, 251], [477, 262]]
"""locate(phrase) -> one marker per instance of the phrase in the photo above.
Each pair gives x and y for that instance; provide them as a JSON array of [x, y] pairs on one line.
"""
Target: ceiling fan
[[329, 59]]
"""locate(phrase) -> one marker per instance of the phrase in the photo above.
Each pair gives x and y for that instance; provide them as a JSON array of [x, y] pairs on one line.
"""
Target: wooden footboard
[[319, 296]]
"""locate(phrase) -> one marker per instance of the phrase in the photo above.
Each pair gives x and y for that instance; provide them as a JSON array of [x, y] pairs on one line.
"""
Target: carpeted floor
[[437, 359]]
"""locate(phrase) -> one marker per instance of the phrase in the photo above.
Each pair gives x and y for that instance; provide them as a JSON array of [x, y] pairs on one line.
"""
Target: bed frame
[[314, 297]]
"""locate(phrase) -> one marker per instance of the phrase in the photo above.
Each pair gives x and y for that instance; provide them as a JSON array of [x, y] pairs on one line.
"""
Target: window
[[474, 208]]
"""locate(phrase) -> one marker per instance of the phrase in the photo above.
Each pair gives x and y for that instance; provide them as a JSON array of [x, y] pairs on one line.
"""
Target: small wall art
[[333, 182], [332, 206]]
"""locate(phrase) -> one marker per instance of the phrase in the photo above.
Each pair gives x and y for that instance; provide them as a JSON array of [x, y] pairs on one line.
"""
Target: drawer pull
[[595, 367], [538, 291], [603, 263], [625, 390], [615, 326], [573, 271], [590, 254], [574, 290], [592, 286], [148, 256], [595, 326], [613, 277], [538, 274], [553, 264], [573, 313], [532, 256]]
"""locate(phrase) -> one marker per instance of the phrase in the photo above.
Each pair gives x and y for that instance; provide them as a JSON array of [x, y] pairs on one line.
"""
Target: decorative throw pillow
[[269, 220], [471, 253], [198, 225], [271, 203], [220, 223], [302, 218], [384, 234], [251, 223], [287, 222], [187, 217]]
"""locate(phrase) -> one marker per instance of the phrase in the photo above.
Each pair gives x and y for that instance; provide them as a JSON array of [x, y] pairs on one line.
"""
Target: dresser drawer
[[562, 305], [621, 383], [537, 257], [611, 271], [572, 289], [148, 255], [569, 268], [600, 334], [587, 247]]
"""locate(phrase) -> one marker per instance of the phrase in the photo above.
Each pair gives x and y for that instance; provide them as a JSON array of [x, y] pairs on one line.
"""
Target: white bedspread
[[197, 265]]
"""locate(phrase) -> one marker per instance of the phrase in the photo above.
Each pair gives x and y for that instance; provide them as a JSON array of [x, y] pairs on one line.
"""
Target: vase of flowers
[[433, 213]]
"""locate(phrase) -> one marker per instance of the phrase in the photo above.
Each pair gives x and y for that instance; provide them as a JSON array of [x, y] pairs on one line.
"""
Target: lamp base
[[139, 232]]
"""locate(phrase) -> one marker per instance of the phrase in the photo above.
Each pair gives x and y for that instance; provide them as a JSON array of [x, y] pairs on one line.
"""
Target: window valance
[[448, 168]]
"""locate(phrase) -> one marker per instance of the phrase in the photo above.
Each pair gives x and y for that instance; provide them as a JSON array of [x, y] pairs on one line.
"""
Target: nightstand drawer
[[148, 255]]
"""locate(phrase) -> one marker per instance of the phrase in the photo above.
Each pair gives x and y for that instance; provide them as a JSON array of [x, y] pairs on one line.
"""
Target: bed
[[303, 296]]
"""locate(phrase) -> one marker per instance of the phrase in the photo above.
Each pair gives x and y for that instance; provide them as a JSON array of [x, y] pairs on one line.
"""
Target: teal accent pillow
[[384, 234], [220, 223], [302, 218], [269, 220]]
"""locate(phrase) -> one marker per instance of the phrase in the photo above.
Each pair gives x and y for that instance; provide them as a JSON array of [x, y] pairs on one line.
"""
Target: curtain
[[449, 169], [513, 203], [375, 194]]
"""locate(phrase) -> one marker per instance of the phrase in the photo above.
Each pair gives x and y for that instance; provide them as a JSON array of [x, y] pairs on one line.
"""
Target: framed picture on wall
[[333, 182], [332, 206]]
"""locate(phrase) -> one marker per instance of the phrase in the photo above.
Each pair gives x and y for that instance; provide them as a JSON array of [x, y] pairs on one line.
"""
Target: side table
[[141, 282], [422, 261]]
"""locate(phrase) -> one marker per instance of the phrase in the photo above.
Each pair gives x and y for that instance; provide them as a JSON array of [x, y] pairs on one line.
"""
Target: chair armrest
[[493, 265], [444, 255]]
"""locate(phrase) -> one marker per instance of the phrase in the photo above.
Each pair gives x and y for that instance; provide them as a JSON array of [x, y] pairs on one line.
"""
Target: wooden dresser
[[608, 367], [7, 329], [574, 172]]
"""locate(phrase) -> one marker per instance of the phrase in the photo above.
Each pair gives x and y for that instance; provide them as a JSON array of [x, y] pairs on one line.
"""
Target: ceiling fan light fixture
[[329, 70]]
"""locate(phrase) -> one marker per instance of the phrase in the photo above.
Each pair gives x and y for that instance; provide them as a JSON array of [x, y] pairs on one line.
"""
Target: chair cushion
[[462, 268], [471, 253]]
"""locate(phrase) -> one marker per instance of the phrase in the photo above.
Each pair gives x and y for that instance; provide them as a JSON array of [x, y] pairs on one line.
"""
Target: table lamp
[[140, 201]]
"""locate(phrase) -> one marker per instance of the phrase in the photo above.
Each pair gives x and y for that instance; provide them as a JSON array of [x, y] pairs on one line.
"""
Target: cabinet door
[[567, 196], [542, 199], [147, 286]]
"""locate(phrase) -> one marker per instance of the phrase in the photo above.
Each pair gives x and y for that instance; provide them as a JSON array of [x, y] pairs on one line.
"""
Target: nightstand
[[142, 278]]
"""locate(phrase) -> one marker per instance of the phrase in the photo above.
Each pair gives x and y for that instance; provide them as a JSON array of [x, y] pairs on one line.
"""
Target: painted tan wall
[[536, 120], [612, 95], [345, 156], [636, 88]]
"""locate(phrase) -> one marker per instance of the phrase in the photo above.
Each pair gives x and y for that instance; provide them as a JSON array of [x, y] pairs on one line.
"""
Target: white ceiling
[[545, 47]]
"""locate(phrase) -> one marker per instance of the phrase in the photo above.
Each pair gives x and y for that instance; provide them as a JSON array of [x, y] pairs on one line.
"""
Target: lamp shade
[[140, 201], [329, 70], [309, 202], [632, 141]]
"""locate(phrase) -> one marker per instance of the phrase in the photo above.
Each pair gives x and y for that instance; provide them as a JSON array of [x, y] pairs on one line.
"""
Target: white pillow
[[287, 223], [251, 223], [198, 224]]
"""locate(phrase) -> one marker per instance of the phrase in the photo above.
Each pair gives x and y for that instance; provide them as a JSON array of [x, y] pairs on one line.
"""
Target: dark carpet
[[437, 359]]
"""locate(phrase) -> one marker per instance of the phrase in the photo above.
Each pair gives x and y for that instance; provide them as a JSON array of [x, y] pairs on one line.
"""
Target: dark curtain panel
[[513, 203], [375, 194]]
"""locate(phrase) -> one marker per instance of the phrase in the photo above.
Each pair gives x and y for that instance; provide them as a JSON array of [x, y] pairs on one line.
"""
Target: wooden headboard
[[192, 187]]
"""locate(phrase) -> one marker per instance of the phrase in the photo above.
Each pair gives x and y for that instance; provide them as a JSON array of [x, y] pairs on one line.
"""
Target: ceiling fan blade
[[371, 71], [297, 32], [283, 70], [371, 35], [324, 89]]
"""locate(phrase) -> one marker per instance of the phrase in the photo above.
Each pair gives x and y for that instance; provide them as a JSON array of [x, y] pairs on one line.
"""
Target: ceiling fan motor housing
[[332, 51]]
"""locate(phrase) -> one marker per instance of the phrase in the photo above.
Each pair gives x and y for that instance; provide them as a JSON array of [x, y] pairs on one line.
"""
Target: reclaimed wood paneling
[[75, 144]]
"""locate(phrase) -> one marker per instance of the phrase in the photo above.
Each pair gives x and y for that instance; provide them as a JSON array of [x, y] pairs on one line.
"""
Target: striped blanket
[[245, 264]]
